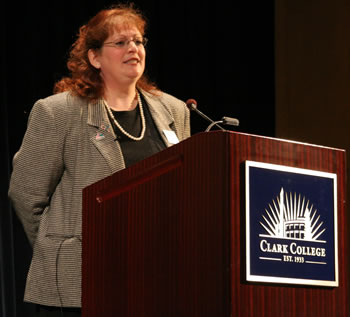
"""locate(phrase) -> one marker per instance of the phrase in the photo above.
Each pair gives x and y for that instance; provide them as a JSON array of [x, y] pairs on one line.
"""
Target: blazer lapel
[[162, 118], [103, 137]]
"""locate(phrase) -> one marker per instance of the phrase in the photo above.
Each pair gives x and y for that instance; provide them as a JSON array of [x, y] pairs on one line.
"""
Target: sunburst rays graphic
[[292, 216]]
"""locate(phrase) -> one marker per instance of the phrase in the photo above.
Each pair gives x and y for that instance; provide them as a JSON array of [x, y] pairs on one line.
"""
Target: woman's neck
[[121, 99]]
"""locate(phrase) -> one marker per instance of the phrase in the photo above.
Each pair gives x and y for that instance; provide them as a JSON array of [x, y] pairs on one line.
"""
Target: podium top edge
[[278, 139]]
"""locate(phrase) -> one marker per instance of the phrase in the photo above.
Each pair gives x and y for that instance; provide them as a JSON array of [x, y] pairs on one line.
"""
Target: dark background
[[220, 53]]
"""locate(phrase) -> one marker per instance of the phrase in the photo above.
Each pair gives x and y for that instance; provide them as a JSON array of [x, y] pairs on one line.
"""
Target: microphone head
[[230, 121], [191, 104]]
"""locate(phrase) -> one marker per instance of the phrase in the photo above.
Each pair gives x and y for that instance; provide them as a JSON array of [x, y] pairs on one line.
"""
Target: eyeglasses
[[123, 43]]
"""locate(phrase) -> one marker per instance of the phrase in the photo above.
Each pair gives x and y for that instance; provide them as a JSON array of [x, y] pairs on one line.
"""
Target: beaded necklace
[[143, 120]]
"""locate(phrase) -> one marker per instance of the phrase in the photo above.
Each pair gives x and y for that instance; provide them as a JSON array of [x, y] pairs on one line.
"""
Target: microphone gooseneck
[[192, 105]]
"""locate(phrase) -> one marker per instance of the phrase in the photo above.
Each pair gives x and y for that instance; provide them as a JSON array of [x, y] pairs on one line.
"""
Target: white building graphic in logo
[[291, 216]]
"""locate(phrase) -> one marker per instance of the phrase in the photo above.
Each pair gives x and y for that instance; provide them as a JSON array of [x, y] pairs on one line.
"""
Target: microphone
[[230, 121], [192, 105], [224, 120]]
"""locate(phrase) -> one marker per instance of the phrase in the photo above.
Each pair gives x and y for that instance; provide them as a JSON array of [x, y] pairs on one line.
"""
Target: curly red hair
[[85, 80]]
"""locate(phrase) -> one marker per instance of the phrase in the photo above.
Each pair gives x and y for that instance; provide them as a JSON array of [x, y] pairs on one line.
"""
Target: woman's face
[[121, 59]]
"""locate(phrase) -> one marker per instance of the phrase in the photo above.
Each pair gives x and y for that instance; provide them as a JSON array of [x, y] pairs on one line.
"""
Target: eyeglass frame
[[126, 42]]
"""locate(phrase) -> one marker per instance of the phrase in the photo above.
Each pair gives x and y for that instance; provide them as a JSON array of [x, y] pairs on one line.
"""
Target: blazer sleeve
[[37, 168], [187, 125]]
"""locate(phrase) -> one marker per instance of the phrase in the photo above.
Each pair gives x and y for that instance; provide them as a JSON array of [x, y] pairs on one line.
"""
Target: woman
[[103, 118]]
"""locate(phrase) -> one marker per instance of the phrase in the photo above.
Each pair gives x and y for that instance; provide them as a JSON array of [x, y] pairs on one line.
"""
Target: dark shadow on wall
[[219, 53]]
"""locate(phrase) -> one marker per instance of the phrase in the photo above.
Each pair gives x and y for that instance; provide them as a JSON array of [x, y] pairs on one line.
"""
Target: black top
[[135, 151]]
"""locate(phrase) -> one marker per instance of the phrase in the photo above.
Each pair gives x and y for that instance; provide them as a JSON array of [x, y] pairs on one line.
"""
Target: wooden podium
[[165, 237]]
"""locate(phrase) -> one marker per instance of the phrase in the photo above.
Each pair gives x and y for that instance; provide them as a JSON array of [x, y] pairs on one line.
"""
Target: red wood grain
[[173, 245]]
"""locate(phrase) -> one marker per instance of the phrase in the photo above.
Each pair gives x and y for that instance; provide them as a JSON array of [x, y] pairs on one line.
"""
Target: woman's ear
[[94, 58]]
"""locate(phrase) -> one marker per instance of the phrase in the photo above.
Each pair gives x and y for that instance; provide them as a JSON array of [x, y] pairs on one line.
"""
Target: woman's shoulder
[[61, 108], [167, 100], [166, 97], [62, 100], [61, 104]]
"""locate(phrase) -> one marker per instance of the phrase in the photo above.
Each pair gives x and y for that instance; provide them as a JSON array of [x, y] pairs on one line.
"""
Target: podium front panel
[[166, 236]]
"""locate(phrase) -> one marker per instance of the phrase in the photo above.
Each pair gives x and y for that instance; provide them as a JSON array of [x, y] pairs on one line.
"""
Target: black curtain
[[220, 53]]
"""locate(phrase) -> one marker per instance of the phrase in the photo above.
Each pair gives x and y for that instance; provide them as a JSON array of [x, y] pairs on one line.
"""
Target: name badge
[[171, 136]]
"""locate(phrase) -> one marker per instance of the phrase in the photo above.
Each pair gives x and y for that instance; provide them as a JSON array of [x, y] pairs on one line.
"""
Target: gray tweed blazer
[[69, 145]]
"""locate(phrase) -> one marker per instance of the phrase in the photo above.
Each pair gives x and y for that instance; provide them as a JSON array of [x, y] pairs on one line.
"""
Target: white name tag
[[171, 136]]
